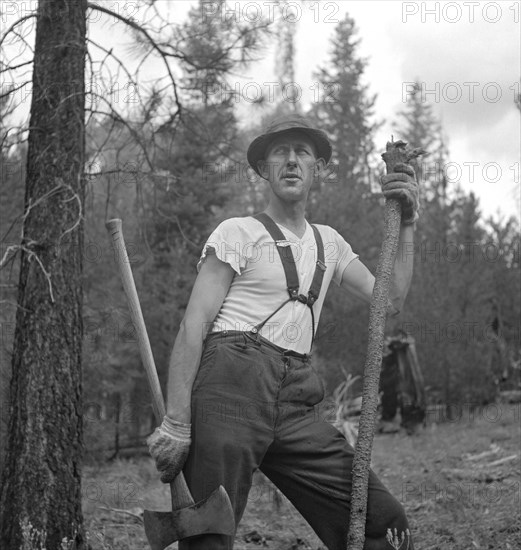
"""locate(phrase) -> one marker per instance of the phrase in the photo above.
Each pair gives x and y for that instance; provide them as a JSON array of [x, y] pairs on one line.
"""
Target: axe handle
[[181, 496]]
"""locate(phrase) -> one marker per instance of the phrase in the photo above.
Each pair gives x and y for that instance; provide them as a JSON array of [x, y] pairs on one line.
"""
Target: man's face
[[291, 165]]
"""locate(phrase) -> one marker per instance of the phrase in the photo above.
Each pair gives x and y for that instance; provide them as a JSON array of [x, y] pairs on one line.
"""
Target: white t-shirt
[[259, 285]]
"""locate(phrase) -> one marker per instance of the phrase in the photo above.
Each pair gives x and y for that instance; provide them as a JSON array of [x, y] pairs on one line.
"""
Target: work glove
[[402, 185], [169, 445]]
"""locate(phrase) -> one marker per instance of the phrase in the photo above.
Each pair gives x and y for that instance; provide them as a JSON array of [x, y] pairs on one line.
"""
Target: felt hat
[[258, 147]]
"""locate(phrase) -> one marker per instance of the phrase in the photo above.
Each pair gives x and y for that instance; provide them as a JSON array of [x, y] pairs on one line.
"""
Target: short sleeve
[[226, 242], [345, 257]]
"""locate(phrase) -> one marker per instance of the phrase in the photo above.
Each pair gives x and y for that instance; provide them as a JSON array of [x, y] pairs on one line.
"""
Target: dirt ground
[[459, 482]]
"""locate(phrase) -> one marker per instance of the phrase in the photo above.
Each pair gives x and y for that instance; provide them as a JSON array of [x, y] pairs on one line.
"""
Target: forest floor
[[459, 482]]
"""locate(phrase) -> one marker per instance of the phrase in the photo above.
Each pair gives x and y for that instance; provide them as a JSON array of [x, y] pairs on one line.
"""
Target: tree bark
[[40, 485], [117, 420]]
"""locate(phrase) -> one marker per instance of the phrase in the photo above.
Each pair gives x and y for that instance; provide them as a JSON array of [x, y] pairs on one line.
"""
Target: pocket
[[223, 365], [208, 358]]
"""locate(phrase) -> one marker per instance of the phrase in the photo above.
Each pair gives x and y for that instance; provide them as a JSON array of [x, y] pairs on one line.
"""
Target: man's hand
[[169, 446], [402, 185]]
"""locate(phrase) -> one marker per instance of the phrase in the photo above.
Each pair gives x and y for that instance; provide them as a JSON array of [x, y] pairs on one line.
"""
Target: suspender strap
[[290, 270], [285, 253], [259, 326], [316, 283]]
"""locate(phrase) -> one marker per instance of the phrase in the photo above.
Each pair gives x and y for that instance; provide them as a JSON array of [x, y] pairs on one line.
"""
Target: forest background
[[167, 155]]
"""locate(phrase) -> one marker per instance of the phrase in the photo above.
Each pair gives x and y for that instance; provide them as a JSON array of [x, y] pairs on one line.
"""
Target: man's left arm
[[401, 185], [402, 271], [357, 279]]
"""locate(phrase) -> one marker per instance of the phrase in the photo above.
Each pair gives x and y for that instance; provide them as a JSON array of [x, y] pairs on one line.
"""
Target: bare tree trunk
[[40, 484]]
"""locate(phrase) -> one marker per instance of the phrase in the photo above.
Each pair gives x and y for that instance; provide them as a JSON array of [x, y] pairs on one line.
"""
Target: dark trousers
[[255, 407]]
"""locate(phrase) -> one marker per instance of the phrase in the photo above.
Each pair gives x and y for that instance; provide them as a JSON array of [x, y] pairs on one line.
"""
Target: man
[[243, 395], [402, 385]]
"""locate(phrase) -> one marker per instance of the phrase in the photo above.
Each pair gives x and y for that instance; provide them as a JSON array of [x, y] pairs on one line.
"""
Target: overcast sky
[[470, 69], [466, 54]]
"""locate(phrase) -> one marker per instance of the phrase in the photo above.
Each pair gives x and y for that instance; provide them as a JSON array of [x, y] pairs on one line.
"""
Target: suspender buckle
[[321, 265]]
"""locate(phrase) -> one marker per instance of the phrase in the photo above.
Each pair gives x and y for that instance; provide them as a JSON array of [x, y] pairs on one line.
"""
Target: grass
[[455, 499]]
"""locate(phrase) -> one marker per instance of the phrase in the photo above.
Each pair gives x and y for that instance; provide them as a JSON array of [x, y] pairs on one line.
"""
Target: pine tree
[[427, 313], [344, 108], [285, 59], [452, 296], [170, 208], [12, 170], [44, 449]]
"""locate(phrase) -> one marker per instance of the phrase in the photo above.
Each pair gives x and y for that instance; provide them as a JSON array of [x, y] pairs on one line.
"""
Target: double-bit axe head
[[213, 515]]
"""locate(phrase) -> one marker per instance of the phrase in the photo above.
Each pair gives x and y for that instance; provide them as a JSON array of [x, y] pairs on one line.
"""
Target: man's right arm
[[208, 294]]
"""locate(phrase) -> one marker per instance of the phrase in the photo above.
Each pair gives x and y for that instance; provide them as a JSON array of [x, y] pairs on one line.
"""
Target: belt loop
[[245, 339]]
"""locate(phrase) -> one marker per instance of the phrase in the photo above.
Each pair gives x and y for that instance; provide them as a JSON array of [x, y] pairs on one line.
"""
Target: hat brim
[[257, 149]]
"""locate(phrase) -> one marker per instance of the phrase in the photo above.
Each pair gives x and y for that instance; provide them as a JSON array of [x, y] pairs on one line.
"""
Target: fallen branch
[[502, 460], [473, 474], [494, 449], [138, 516]]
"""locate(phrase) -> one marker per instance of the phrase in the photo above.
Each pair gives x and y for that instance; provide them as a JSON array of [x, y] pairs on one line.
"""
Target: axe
[[213, 515]]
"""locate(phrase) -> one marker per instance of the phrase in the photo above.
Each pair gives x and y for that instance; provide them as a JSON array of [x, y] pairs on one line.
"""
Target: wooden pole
[[396, 152]]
